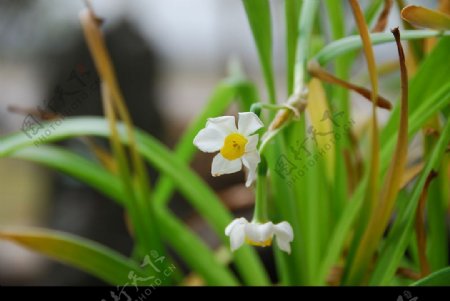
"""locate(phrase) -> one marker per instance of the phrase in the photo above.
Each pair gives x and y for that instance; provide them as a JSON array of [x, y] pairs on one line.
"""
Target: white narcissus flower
[[237, 146], [240, 231]]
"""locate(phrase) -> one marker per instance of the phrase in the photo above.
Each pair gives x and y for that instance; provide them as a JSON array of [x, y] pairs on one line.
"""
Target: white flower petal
[[259, 232], [284, 230], [251, 161], [221, 166], [284, 245], [224, 124], [235, 222], [209, 140], [251, 177], [249, 123], [284, 235], [252, 142], [237, 237]]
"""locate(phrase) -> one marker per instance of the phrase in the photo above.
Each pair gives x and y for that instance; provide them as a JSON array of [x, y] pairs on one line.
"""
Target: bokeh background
[[169, 55]]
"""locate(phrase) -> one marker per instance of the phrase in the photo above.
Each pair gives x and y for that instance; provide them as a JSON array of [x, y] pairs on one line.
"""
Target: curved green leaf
[[189, 184], [422, 86], [84, 254], [398, 238], [258, 14], [191, 249], [351, 43], [75, 166], [438, 278], [422, 107]]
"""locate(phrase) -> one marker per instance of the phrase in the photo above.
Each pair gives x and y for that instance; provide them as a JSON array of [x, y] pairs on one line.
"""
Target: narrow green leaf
[[437, 252], [357, 259], [398, 238], [194, 190], [190, 248], [193, 250], [317, 106], [351, 43], [422, 87], [372, 11], [423, 106], [436, 204], [292, 13], [438, 278], [342, 66], [141, 218], [383, 210], [287, 209], [258, 14], [86, 255], [74, 165], [135, 180], [341, 231], [308, 14]]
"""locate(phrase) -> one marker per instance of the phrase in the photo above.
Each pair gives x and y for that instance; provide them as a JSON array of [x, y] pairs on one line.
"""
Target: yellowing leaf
[[317, 107], [424, 17], [78, 252]]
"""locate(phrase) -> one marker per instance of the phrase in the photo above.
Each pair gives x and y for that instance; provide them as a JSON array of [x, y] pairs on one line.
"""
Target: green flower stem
[[257, 106], [306, 24], [296, 100], [261, 203]]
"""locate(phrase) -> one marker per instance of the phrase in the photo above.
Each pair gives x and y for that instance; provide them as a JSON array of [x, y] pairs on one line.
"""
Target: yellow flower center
[[265, 243], [234, 146]]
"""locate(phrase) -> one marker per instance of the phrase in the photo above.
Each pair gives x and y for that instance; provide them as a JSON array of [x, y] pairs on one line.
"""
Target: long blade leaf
[[86, 255]]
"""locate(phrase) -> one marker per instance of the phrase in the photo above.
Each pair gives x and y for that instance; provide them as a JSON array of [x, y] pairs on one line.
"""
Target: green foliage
[[439, 278], [78, 252], [323, 193]]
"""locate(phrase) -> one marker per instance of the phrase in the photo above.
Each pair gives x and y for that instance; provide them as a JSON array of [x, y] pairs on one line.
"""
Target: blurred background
[[169, 55]]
